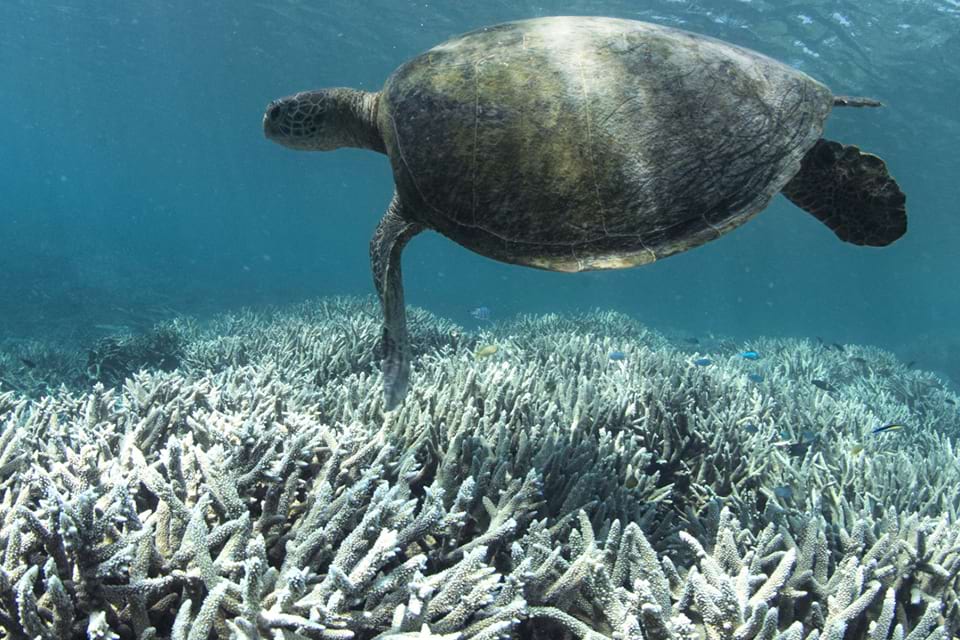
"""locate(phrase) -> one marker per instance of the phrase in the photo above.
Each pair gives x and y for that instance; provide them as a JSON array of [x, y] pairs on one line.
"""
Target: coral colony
[[258, 490]]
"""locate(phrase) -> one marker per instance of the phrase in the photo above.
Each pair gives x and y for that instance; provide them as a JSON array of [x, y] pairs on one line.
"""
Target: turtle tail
[[851, 192], [855, 101]]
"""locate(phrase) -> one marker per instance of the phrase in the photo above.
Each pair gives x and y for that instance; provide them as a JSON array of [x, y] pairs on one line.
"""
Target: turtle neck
[[357, 114]]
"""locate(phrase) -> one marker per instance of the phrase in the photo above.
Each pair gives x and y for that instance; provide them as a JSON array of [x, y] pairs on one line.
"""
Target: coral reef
[[34, 368], [258, 491], [113, 359]]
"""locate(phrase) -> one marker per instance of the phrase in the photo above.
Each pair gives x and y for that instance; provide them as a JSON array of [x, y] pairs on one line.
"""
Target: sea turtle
[[579, 143]]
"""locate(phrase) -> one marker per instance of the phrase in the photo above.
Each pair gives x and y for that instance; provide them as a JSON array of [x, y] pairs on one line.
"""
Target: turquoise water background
[[135, 182]]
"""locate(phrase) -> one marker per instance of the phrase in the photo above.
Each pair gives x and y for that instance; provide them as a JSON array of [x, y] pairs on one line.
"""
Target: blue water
[[135, 182]]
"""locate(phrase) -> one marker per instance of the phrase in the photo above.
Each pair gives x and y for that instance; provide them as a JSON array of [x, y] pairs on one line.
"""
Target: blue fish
[[783, 492], [703, 362], [750, 355], [481, 313], [617, 356], [755, 377], [751, 428]]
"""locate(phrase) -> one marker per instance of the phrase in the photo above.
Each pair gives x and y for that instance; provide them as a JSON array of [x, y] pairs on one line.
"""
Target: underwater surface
[[756, 438]]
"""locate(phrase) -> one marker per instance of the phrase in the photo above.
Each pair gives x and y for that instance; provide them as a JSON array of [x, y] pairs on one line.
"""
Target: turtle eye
[[274, 112]]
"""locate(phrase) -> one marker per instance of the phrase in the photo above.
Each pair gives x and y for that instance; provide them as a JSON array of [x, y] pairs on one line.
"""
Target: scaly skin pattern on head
[[325, 120]]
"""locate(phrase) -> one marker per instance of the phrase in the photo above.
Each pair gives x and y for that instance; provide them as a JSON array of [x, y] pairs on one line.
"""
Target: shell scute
[[582, 143]]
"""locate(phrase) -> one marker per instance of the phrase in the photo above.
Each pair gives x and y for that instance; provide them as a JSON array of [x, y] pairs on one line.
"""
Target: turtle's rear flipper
[[851, 192]]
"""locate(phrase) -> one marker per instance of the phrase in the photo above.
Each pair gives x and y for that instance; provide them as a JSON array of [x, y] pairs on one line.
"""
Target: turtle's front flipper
[[851, 192], [387, 244]]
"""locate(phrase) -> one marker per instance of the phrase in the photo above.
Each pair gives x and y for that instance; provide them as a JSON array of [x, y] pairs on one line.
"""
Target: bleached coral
[[548, 492]]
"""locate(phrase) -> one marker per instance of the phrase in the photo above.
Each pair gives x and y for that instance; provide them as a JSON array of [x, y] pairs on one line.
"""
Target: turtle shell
[[575, 143]]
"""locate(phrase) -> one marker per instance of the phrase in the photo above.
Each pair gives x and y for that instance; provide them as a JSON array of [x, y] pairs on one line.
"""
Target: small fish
[[29, 364], [893, 426], [692, 340], [808, 436], [798, 449], [481, 313], [751, 428], [950, 401], [485, 351], [838, 347], [750, 355], [755, 377], [821, 384], [617, 356], [703, 362], [856, 449], [784, 492], [911, 364]]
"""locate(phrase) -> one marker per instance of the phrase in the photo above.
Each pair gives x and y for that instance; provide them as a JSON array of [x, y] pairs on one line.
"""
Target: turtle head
[[324, 120]]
